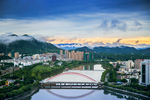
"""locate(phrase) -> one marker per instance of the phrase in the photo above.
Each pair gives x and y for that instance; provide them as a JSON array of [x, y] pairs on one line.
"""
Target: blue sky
[[77, 20], [42, 8]]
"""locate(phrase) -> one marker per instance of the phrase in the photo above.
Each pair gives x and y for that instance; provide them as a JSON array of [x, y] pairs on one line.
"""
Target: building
[[36, 56], [66, 53], [54, 58], [1, 54], [145, 72], [16, 54], [137, 63], [9, 55], [88, 57], [61, 52], [129, 64]]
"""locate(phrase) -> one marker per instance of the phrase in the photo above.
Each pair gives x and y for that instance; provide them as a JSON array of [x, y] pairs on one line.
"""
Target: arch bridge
[[71, 80]]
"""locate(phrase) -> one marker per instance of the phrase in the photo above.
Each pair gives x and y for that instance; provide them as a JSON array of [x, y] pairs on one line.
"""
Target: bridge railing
[[70, 84]]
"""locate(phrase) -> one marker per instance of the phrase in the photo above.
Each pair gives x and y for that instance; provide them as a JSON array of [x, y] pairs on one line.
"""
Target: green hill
[[28, 47]]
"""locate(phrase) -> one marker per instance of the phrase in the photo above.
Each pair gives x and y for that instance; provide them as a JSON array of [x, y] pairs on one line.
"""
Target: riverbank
[[146, 97], [24, 95], [31, 75], [110, 75]]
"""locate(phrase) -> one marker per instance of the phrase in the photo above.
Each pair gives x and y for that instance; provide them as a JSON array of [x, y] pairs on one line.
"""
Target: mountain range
[[116, 50], [25, 44]]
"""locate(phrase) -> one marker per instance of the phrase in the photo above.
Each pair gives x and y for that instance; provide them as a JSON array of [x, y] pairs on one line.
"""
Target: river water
[[81, 94]]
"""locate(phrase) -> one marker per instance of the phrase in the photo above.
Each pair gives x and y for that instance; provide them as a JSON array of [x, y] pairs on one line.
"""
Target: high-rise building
[[88, 57], [9, 55], [137, 63], [75, 55], [16, 54], [129, 64], [1, 54], [145, 72], [61, 52], [54, 58], [67, 53]]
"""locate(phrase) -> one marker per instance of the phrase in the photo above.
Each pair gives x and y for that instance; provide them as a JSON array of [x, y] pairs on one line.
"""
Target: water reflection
[[89, 67], [75, 94], [123, 96], [80, 94], [69, 96]]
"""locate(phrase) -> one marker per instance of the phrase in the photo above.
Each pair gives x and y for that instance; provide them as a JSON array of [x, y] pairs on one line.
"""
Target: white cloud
[[80, 25], [10, 37]]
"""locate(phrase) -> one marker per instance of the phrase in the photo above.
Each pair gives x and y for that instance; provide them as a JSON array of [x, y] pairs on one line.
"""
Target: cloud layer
[[78, 21]]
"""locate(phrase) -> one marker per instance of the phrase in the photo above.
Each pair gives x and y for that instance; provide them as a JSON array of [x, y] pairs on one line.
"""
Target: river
[[81, 94]]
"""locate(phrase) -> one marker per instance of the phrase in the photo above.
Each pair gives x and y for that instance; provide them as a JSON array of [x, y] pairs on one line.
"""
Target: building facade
[[9, 55], [16, 54], [145, 72], [137, 63], [88, 57]]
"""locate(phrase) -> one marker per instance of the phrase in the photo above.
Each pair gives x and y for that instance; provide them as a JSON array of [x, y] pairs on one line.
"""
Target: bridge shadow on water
[[71, 97]]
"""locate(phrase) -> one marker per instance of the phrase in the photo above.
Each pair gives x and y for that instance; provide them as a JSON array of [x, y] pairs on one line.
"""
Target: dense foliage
[[29, 77], [110, 71], [122, 57], [28, 47], [136, 88], [4, 57], [4, 66]]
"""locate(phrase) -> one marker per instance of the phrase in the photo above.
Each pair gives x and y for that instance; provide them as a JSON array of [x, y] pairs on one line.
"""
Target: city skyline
[[69, 21]]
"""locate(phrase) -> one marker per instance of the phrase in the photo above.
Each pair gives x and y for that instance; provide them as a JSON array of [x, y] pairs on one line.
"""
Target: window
[[143, 73]]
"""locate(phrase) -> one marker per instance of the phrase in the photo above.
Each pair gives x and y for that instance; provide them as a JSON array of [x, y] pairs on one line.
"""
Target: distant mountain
[[116, 50], [84, 49], [72, 46], [69, 46], [145, 51], [24, 44]]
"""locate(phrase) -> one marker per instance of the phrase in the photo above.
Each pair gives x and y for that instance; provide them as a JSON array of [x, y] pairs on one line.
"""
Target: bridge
[[76, 79]]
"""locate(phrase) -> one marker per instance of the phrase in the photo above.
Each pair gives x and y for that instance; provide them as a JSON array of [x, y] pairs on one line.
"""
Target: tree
[[124, 80], [133, 81]]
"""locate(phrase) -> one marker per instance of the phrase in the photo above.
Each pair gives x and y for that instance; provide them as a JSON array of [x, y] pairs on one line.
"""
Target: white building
[[145, 72], [129, 64]]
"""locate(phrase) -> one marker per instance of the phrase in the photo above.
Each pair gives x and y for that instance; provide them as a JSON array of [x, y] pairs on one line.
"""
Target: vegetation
[[4, 66], [110, 71], [136, 88], [28, 47], [12, 90], [30, 76], [4, 57], [2, 82], [133, 86], [124, 80], [121, 57], [104, 75]]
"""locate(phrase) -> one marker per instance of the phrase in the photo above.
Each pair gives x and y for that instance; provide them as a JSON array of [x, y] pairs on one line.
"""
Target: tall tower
[[16, 55], [67, 53], [9, 55], [61, 52], [145, 72]]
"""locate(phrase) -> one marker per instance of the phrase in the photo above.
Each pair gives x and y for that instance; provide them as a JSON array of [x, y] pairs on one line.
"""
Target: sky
[[78, 21]]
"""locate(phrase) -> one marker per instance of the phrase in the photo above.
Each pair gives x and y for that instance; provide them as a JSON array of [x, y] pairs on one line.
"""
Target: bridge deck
[[85, 85]]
